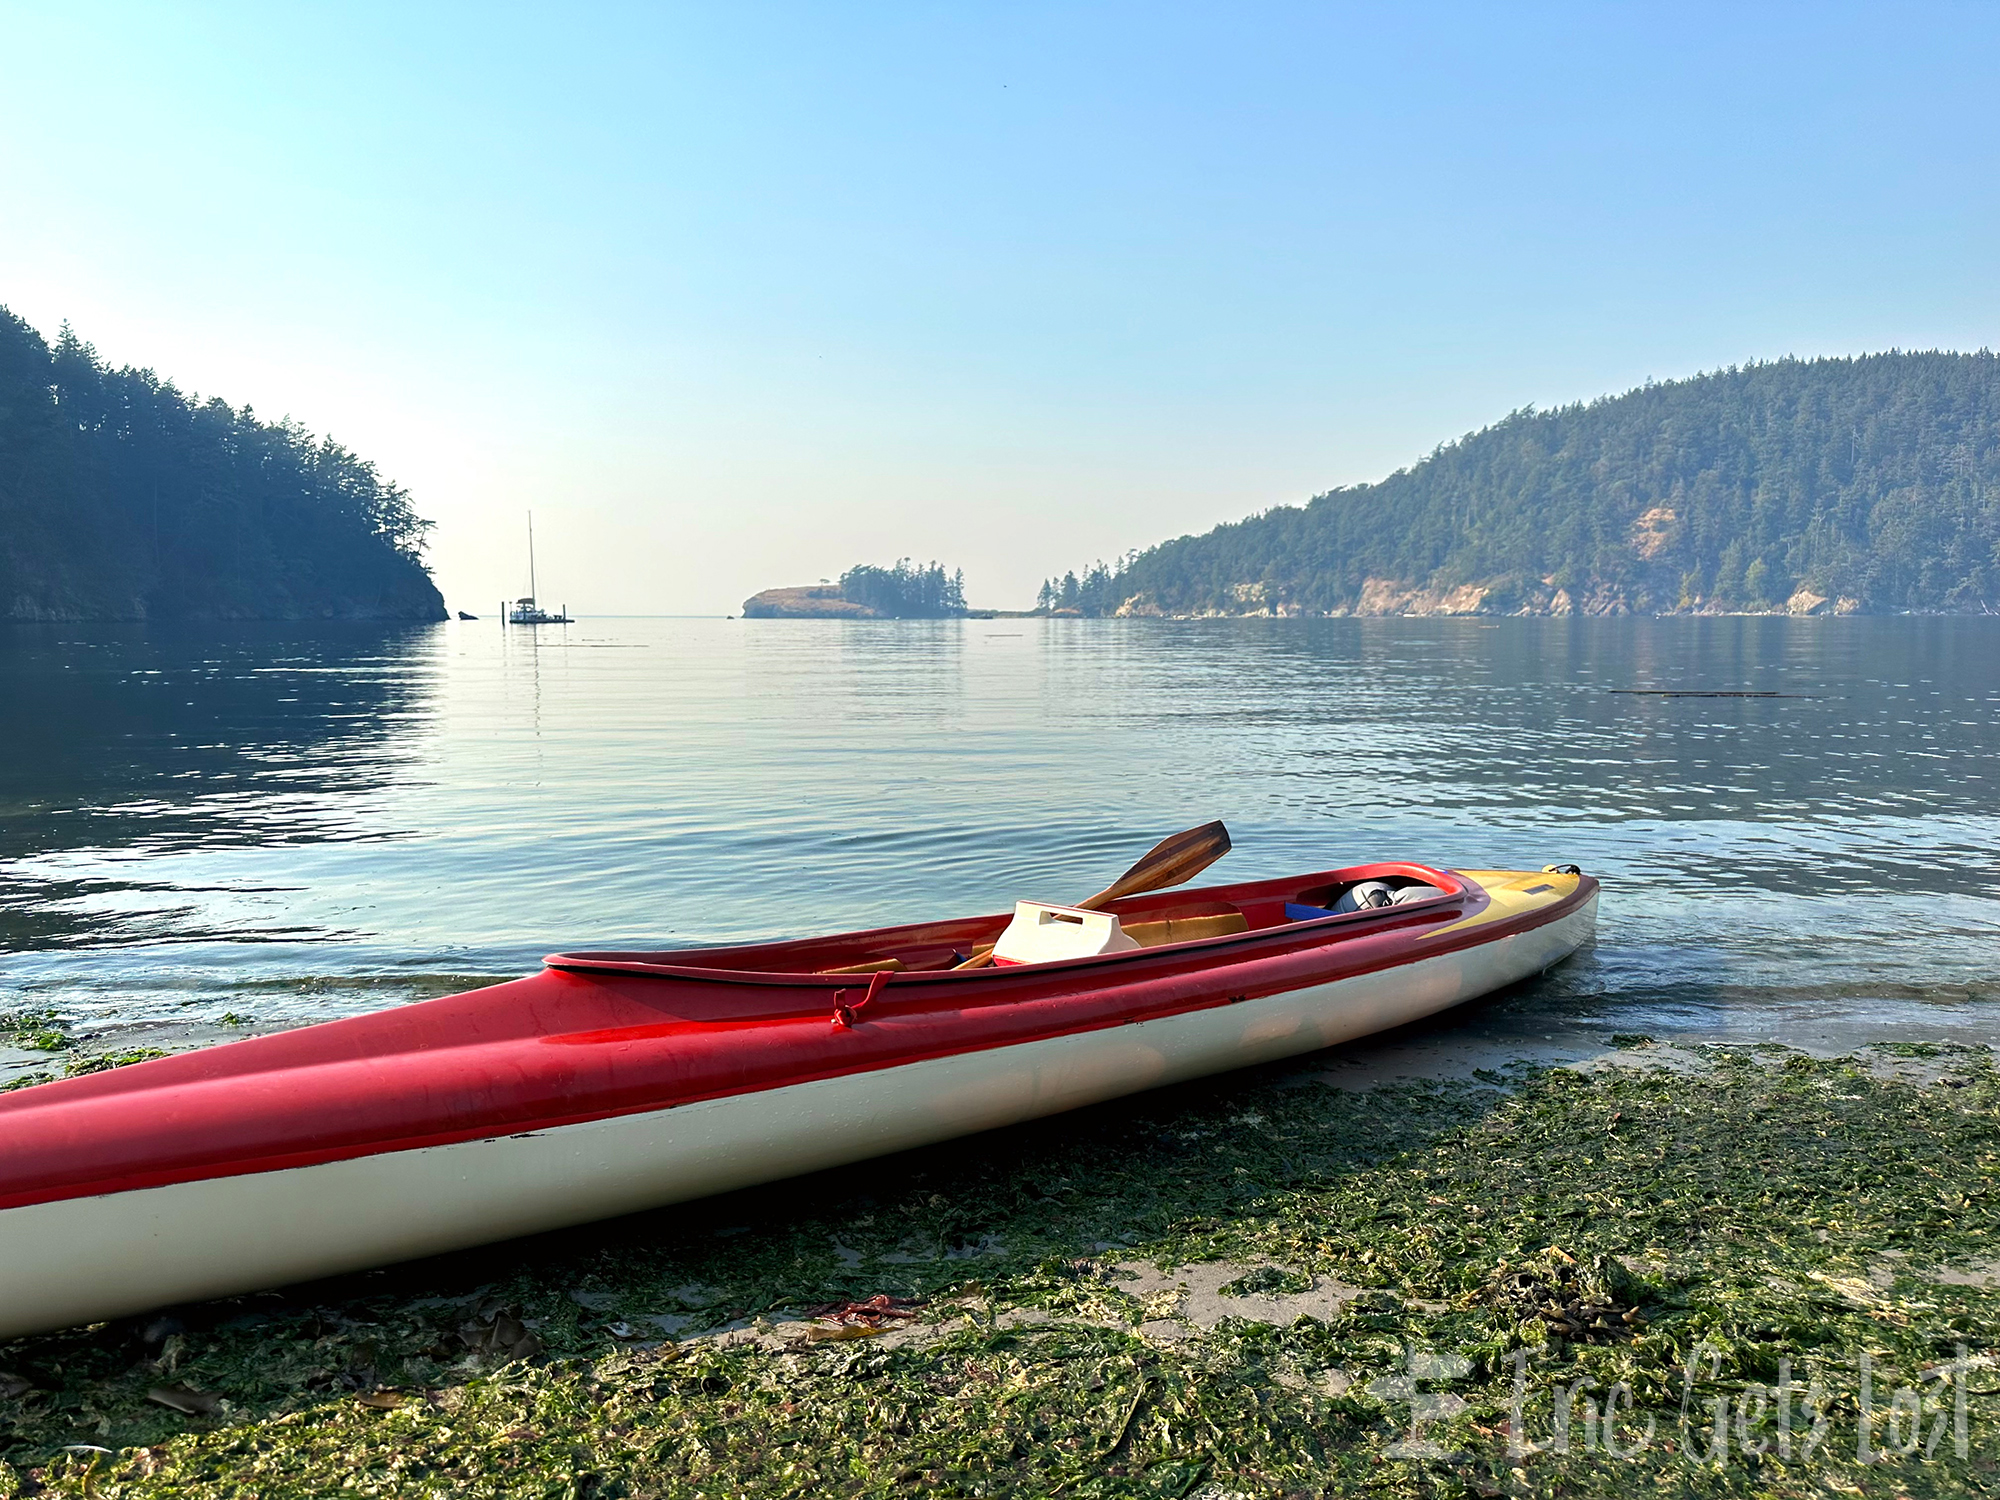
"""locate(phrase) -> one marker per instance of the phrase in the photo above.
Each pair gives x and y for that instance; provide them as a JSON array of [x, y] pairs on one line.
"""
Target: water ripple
[[292, 823]]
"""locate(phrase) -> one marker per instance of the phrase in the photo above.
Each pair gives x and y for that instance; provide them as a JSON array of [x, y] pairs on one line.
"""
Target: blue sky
[[740, 295]]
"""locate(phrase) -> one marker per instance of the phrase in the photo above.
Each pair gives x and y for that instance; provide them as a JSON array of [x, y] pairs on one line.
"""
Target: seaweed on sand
[[76, 1067], [40, 1029], [1568, 1257]]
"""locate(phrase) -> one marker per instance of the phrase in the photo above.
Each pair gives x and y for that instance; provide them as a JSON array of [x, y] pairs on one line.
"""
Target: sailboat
[[524, 610]]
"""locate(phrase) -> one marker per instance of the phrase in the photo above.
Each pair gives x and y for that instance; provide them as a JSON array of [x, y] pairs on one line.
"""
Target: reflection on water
[[126, 745], [290, 823]]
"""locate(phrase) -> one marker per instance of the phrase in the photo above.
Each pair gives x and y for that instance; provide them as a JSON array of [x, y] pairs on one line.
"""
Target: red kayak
[[612, 1082]]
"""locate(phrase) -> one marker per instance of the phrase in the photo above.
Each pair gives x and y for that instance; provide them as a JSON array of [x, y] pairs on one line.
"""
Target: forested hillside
[[1831, 484], [120, 498]]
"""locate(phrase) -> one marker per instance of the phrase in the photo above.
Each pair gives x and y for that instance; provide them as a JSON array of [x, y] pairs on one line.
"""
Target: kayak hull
[[95, 1255]]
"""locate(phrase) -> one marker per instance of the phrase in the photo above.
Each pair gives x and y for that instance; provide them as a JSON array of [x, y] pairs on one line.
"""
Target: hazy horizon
[[737, 300]]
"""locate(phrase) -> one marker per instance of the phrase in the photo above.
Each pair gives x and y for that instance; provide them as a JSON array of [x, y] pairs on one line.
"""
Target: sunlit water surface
[[203, 830]]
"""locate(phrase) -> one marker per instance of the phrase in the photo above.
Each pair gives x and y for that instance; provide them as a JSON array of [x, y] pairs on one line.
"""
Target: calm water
[[284, 823]]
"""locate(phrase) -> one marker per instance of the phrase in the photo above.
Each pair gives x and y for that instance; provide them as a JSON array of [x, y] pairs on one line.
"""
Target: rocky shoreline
[[1388, 598], [811, 602]]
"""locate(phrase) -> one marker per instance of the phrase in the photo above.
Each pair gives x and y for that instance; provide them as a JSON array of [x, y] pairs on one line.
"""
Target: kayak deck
[[935, 949]]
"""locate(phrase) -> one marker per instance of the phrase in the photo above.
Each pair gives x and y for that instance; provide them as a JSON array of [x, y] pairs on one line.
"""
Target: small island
[[904, 591]]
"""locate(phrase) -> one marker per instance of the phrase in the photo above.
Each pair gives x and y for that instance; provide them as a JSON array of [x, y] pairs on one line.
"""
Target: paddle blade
[[1172, 861]]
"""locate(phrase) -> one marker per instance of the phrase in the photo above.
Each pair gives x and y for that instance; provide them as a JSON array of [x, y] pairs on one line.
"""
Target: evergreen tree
[[906, 591]]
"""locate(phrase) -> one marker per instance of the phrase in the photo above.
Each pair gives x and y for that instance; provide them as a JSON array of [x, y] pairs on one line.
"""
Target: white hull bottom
[[86, 1259]]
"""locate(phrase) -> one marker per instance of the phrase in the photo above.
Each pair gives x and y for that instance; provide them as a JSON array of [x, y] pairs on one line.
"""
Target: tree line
[[906, 591], [123, 498]]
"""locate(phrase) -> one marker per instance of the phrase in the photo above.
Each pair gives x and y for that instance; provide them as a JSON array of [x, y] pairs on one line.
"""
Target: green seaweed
[[1684, 1238], [40, 1030], [77, 1067]]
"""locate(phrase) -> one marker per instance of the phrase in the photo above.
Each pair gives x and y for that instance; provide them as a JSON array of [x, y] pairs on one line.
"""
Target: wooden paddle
[[1172, 861]]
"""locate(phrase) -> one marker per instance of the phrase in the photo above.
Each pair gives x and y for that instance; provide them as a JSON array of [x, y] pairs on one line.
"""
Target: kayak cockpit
[[1217, 916]]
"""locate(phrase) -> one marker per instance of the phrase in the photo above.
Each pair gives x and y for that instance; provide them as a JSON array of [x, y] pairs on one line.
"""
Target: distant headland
[[122, 499], [1805, 487]]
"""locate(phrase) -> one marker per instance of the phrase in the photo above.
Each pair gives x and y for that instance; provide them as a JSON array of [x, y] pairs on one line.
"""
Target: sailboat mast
[[531, 556]]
